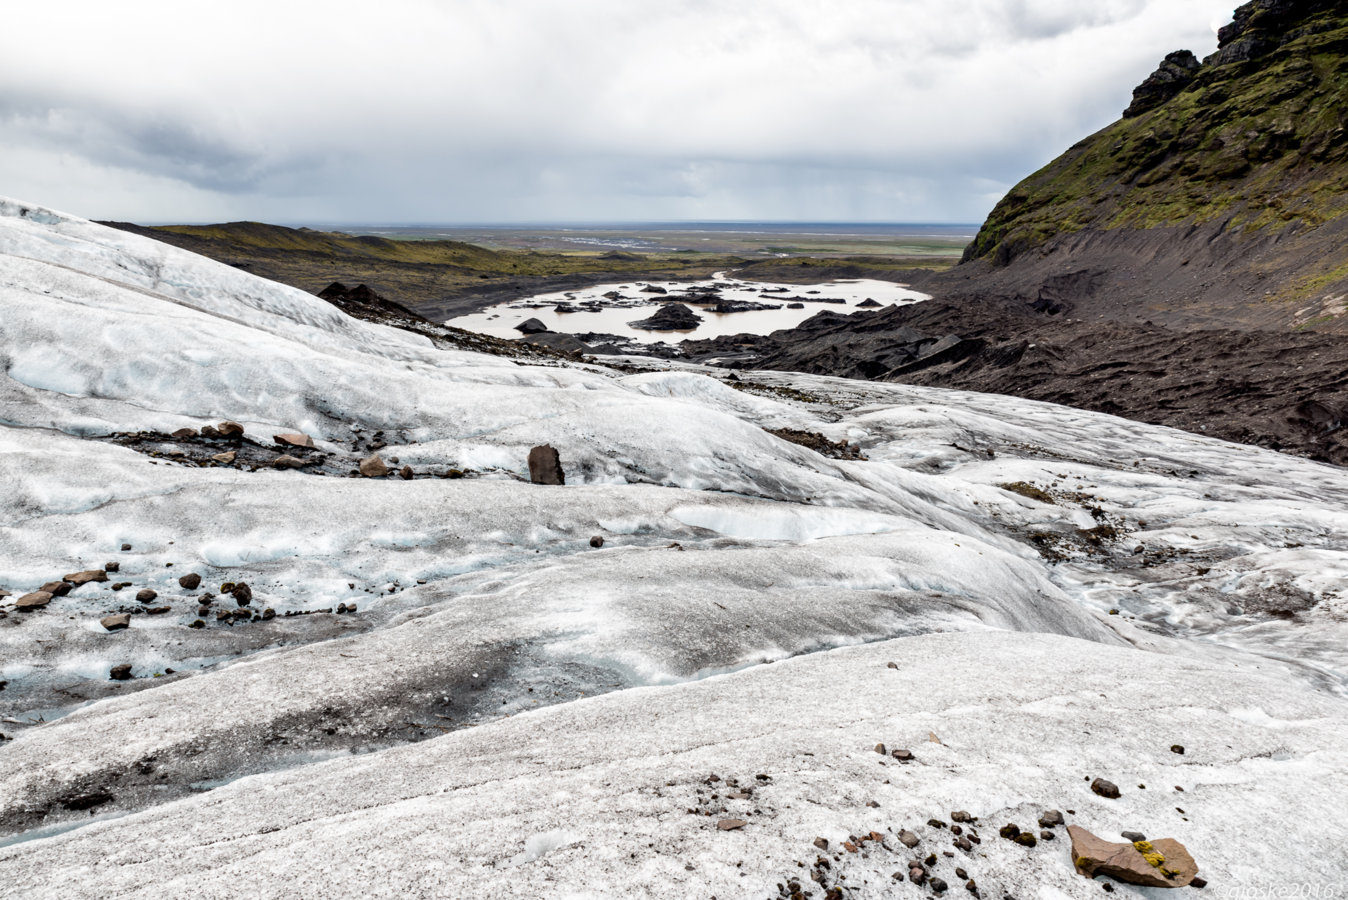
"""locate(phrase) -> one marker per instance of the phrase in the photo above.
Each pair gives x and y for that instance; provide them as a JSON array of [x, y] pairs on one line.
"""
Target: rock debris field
[[295, 605]]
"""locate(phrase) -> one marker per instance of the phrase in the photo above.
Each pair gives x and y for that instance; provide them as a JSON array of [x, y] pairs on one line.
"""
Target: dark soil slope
[[1281, 390]]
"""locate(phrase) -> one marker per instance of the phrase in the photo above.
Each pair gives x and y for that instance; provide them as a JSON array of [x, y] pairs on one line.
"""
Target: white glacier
[[733, 564]]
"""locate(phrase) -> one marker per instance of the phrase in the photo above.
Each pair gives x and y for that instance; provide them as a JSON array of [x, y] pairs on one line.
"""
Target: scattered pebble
[[120, 673]]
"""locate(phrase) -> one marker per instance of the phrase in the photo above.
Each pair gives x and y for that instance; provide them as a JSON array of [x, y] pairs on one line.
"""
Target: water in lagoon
[[633, 305]]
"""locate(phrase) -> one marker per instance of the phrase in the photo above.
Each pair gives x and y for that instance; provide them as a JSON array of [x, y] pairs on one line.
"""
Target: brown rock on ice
[[731, 824], [79, 578], [545, 466], [1107, 789], [35, 600], [373, 467], [1159, 863], [184, 433], [56, 588], [225, 458], [294, 440], [230, 429], [190, 582], [288, 462], [116, 623]]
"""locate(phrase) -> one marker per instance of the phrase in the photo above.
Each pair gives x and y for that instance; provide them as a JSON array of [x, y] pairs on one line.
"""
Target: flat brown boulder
[[229, 429], [288, 462], [33, 601], [56, 588], [79, 578], [225, 458], [1160, 863], [294, 440], [116, 623], [545, 466], [184, 433], [373, 467]]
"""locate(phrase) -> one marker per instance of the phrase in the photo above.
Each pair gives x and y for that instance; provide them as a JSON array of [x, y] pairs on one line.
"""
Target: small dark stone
[[146, 596], [405, 473], [891, 665], [902, 755], [243, 594], [1107, 789], [1108, 888], [1026, 839], [112, 567], [960, 873], [880, 748], [1198, 882], [1046, 835], [939, 886], [821, 843], [955, 829], [197, 623], [57, 588], [960, 815], [190, 581], [1009, 832], [964, 843], [1133, 836], [120, 673], [269, 613], [126, 547], [935, 823], [916, 875], [1177, 748], [908, 839], [1051, 818], [597, 541]]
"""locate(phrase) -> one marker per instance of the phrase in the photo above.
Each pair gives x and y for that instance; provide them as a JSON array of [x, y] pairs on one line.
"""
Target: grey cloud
[[593, 109]]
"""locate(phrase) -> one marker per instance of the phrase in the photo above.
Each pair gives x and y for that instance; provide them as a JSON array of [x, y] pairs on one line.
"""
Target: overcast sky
[[442, 111]]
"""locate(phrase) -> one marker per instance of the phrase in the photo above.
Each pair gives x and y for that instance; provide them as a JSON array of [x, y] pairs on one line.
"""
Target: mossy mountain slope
[[1221, 195]]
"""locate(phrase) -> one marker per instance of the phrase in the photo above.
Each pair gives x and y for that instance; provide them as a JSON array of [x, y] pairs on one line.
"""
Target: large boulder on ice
[[1160, 863], [531, 326], [545, 466]]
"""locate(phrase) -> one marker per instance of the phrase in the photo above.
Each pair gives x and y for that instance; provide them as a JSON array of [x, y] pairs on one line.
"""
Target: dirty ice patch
[[788, 523]]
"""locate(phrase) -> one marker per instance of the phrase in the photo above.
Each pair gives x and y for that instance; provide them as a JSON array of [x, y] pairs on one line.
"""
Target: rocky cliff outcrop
[[1219, 197]]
